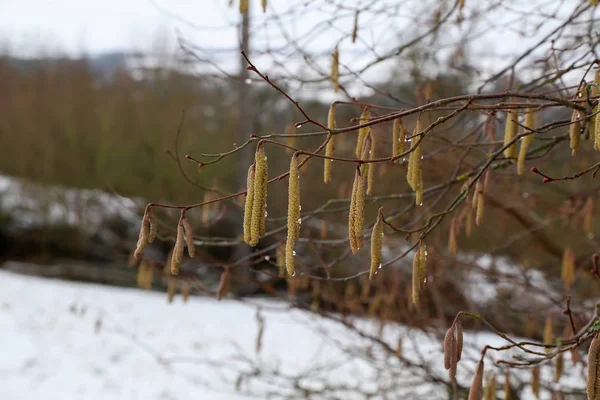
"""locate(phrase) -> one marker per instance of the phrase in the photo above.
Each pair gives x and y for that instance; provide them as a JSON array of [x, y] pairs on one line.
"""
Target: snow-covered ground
[[65, 340]]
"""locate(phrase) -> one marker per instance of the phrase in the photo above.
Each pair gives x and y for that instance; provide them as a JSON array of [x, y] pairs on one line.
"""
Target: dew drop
[[266, 213], [420, 204], [299, 221], [294, 253], [380, 266], [248, 81], [294, 274], [300, 208], [267, 258]]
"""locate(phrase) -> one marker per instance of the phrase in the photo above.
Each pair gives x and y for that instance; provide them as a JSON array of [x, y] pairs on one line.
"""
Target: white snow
[[147, 349]]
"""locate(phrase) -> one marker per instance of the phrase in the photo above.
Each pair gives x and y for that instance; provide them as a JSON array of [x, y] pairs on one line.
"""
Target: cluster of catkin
[[255, 207], [453, 345], [148, 232], [414, 176]]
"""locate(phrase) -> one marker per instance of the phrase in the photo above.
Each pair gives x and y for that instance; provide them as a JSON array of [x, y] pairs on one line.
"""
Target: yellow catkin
[[263, 3], [280, 260], [490, 388], [507, 394], [141, 275], [510, 131], [568, 267], [398, 137], [597, 128], [452, 238], [594, 129], [293, 221], [559, 367], [335, 69], [416, 278], [243, 6], [575, 132], [480, 209], [422, 263], [223, 288], [476, 390], [588, 215], [352, 215], [185, 291], [359, 219], [362, 132], [171, 289], [330, 146], [535, 381], [259, 203], [248, 206], [143, 237], [177, 256], [153, 226], [371, 166], [414, 174], [189, 237], [526, 141], [376, 244], [593, 383], [548, 333]]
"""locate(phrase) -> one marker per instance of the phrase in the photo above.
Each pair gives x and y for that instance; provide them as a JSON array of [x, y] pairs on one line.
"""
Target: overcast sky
[[72, 26]]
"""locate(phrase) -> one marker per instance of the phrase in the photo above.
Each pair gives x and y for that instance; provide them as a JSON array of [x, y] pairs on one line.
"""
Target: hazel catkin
[[293, 221], [376, 244], [329, 147], [259, 203], [177, 256], [248, 206], [510, 131], [189, 236]]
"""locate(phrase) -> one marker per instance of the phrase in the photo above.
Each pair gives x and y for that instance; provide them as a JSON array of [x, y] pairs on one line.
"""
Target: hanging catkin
[[189, 236], [548, 333], [510, 131], [526, 141], [535, 381], [153, 226], [593, 378], [330, 146], [243, 6], [476, 390], [414, 173], [356, 218], [259, 203], [371, 166], [352, 214], [568, 267], [362, 132], [335, 69], [248, 206], [418, 272], [376, 244], [293, 222], [177, 256], [398, 137], [575, 131], [143, 237]]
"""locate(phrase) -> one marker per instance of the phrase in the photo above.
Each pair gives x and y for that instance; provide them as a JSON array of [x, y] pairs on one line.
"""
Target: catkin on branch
[[359, 219], [414, 174], [593, 381], [248, 205], [548, 333], [243, 6], [526, 141], [362, 132], [259, 203], [575, 131], [143, 237], [153, 226], [352, 214], [535, 381], [476, 390], [293, 221], [448, 346], [422, 263], [417, 276], [177, 256], [371, 166], [335, 69], [568, 267], [376, 244], [189, 236], [398, 137], [330, 146], [510, 131], [459, 339]]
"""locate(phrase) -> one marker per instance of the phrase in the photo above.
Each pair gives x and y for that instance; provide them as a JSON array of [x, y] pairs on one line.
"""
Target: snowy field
[[65, 340]]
